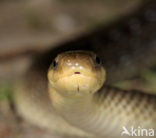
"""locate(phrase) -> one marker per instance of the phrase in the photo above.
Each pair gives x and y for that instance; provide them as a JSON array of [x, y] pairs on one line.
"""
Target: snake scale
[[105, 112]]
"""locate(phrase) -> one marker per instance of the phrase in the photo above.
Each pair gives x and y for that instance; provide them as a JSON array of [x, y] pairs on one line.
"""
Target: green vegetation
[[5, 91]]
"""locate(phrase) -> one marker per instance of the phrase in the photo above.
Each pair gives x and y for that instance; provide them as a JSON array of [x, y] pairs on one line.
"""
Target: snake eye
[[55, 64], [97, 60]]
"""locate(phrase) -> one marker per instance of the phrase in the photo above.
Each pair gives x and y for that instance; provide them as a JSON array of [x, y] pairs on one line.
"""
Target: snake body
[[75, 82]]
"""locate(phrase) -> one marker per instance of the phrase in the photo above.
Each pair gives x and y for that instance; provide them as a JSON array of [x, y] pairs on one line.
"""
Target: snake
[[104, 110], [81, 105]]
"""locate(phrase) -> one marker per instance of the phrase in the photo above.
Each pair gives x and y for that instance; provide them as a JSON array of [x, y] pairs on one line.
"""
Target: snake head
[[76, 73]]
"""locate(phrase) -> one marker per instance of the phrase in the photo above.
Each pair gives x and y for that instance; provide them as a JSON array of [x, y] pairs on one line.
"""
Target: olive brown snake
[[80, 104]]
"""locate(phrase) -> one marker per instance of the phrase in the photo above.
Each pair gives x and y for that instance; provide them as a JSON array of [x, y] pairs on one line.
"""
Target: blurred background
[[28, 27], [34, 25]]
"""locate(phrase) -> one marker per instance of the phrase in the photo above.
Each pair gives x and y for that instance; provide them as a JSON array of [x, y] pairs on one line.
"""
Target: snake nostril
[[77, 72]]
